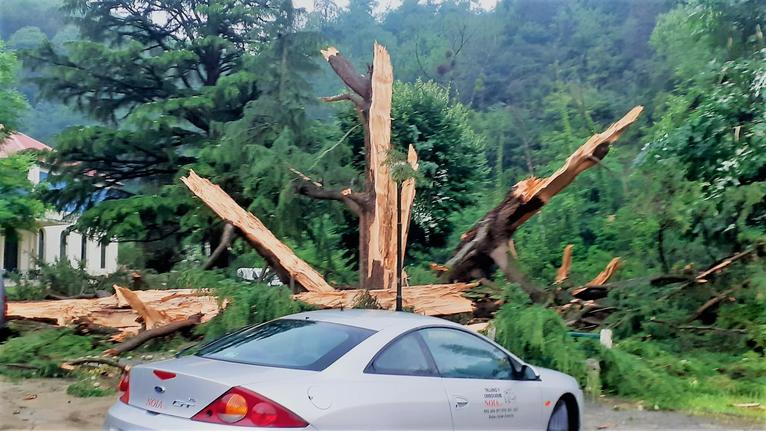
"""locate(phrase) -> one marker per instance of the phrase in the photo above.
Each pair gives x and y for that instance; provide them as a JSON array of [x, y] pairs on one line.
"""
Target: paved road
[[43, 404]]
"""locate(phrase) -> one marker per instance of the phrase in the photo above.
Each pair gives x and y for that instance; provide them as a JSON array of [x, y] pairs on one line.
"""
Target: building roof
[[18, 142]]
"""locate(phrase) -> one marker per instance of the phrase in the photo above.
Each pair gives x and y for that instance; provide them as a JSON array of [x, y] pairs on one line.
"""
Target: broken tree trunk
[[485, 246], [278, 255], [376, 205]]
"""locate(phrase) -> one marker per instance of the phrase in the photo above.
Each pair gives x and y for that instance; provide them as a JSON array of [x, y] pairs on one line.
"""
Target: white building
[[54, 238]]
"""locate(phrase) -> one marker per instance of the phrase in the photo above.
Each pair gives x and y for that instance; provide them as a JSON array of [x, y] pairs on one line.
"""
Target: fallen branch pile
[[126, 312]]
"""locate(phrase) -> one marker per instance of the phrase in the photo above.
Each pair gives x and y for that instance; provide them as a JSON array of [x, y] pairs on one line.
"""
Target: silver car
[[348, 370]]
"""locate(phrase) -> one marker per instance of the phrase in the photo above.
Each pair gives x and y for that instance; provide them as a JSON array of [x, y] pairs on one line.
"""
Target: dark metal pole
[[398, 246]]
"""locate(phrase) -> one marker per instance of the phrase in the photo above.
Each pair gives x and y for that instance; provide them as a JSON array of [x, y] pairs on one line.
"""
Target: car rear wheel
[[559, 420]]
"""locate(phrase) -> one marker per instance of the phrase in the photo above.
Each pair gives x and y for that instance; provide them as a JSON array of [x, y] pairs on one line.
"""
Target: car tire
[[559, 420]]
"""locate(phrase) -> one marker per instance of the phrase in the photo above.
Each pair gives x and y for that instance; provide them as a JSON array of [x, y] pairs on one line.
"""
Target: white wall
[[28, 250]]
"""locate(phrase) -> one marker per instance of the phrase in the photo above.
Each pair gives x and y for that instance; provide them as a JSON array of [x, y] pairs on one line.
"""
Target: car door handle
[[460, 402]]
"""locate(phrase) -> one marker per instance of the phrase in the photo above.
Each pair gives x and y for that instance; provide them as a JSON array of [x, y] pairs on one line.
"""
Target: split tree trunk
[[486, 245], [376, 204]]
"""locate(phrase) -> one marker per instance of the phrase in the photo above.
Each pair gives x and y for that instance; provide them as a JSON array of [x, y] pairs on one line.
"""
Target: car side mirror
[[528, 373]]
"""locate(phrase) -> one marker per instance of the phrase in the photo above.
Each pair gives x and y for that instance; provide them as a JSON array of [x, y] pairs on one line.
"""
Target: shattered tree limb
[[278, 255], [485, 246]]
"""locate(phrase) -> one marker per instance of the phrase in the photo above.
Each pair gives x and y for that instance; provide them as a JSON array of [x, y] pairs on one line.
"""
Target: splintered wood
[[566, 263], [408, 197], [485, 246], [279, 256], [381, 257], [431, 300], [155, 307]]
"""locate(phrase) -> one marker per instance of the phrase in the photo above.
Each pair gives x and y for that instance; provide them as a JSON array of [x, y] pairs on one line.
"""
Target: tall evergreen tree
[[163, 78]]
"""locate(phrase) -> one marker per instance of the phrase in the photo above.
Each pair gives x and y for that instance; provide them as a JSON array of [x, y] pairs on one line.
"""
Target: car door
[[482, 384], [399, 390]]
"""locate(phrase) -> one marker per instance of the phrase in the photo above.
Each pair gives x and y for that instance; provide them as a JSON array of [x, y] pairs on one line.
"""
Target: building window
[[103, 255], [11, 255], [41, 246], [84, 250], [62, 245]]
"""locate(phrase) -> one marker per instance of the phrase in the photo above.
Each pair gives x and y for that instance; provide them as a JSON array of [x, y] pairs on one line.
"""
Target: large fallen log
[[485, 246], [279, 256], [176, 304], [431, 300]]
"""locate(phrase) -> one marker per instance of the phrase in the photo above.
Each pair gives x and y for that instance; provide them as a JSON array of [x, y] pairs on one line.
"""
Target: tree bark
[[278, 255], [376, 206], [161, 331], [485, 246], [229, 232]]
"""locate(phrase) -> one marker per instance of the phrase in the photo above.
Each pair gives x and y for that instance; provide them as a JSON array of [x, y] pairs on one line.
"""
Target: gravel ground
[[43, 404]]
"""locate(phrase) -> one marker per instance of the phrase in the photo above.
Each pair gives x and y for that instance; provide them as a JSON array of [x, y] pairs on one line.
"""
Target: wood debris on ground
[[431, 300], [145, 309]]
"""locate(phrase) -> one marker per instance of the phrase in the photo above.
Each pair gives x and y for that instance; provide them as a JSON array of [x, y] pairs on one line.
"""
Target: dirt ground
[[43, 404]]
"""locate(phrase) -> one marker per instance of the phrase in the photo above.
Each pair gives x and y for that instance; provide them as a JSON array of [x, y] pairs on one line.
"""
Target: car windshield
[[288, 343]]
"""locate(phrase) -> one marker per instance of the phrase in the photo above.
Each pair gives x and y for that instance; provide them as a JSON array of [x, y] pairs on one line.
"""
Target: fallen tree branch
[[712, 302], [698, 328], [484, 246], [358, 83], [278, 255], [70, 365], [228, 235], [147, 335]]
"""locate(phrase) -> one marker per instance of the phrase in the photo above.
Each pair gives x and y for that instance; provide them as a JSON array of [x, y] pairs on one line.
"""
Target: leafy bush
[[61, 278]]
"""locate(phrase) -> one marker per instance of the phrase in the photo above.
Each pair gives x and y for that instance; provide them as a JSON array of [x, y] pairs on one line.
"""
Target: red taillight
[[124, 387], [243, 407], [164, 375]]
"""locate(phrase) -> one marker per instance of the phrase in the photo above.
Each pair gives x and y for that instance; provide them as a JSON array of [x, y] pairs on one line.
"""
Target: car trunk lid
[[182, 387]]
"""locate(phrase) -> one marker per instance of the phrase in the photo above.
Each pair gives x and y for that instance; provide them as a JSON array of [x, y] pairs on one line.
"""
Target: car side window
[[461, 355], [406, 356]]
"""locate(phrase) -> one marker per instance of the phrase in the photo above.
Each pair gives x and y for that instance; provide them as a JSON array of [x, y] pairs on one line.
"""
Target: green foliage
[[46, 350], [61, 278], [364, 300], [246, 303], [539, 335], [698, 381], [18, 205], [12, 103], [451, 167]]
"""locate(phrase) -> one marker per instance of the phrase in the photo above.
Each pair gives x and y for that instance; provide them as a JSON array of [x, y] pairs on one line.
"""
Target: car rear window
[[288, 343]]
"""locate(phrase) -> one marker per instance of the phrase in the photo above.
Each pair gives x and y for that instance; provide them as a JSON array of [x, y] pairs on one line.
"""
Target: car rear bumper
[[123, 417]]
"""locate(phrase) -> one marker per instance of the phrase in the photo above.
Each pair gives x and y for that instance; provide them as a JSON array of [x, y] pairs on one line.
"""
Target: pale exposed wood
[[381, 257], [408, 197], [177, 304], [481, 249], [604, 276], [703, 276], [278, 255], [566, 263], [432, 300], [152, 317]]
